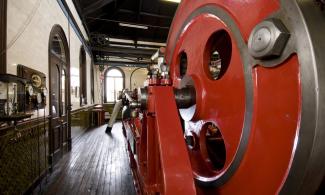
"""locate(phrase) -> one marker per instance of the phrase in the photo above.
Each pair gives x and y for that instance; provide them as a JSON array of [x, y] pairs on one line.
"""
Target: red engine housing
[[256, 126]]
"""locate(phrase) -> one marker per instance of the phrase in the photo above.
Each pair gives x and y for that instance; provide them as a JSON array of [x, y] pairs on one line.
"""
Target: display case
[[12, 87]]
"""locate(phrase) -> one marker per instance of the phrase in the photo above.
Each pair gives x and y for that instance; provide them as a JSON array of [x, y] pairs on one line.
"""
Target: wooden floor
[[97, 164]]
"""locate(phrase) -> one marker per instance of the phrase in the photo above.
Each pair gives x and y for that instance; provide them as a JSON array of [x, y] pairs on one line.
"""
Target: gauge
[[30, 90], [39, 98], [37, 81]]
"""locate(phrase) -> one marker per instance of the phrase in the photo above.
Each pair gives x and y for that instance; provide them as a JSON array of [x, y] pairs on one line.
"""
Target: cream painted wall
[[29, 25], [138, 77], [88, 61], [97, 84], [75, 46]]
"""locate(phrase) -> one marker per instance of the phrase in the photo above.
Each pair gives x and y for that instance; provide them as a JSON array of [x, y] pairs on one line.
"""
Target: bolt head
[[268, 39]]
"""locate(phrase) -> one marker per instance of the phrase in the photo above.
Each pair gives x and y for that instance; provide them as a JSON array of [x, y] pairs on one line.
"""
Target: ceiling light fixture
[[119, 45], [151, 43], [133, 25], [149, 48], [174, 1], [121, 40]]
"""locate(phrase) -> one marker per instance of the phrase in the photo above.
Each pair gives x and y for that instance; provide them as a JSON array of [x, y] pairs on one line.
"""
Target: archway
[[59, 90]]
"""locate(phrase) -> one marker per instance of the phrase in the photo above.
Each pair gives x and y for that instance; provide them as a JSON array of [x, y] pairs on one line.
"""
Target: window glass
[[63, 93], [114, 73], [114, 83], [58, 47]]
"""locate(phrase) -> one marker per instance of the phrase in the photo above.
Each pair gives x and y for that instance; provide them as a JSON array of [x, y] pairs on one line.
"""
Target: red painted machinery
[[240, 106]]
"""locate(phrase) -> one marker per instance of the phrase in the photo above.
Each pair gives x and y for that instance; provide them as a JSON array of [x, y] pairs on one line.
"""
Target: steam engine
[[238, 107]]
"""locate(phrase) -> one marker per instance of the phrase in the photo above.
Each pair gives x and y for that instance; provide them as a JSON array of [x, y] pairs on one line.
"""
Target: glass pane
[[74, 87], [55, 77], [114, 73], [118, 86], [110, 89], [63, 111], [114, 84], [57, 47]]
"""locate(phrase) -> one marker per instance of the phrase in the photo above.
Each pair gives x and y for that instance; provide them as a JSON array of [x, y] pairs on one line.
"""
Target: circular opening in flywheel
[[217, 54], [182, 64], [212, 142], [190, 141]]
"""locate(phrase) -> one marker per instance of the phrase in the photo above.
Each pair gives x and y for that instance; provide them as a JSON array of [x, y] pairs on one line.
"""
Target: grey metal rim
[[307, 24]]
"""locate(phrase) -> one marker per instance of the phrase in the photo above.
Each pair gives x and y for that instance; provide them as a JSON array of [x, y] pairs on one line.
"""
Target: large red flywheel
[[258, 123], [239, 107]]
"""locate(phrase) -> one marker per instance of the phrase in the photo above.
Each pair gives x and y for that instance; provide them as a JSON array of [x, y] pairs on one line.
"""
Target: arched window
[[114, 82]]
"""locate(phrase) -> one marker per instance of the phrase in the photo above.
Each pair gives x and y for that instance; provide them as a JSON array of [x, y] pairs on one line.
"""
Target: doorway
[[60, 107]]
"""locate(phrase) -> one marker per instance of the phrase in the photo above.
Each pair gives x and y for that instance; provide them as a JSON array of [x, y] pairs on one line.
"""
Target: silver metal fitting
[[268, 39], [185, 97], [134, 105], [142, 97]]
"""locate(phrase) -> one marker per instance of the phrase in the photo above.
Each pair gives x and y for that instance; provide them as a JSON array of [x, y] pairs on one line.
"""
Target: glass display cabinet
[[13, 88]]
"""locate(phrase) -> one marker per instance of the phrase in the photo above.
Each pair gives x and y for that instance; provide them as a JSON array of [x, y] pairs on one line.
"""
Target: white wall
[[29, 25], [97, 84], [138, 77]]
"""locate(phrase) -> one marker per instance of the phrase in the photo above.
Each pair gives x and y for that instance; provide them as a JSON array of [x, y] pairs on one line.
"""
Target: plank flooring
[[97, 164]]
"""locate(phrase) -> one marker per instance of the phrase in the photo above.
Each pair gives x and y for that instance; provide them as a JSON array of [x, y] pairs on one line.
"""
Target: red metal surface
[[165, 82], [175, 164], [276, 98], [164, 164]]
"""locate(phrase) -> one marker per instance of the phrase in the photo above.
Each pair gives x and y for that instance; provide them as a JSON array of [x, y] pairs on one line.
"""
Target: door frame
[[53, 158]]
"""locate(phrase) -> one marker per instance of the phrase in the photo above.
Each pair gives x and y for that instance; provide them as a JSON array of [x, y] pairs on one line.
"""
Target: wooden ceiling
[[105, 23]]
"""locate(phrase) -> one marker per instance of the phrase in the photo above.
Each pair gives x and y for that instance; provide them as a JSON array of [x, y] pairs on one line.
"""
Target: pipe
[[117, 108]]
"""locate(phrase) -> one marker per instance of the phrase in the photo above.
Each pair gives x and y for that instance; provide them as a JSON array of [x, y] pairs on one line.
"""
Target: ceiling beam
[[95, 6], [124, 50], [146, 14], [119, 63], [162, 40], [126, 22], [136, 45], [123, 55], [127, 65]]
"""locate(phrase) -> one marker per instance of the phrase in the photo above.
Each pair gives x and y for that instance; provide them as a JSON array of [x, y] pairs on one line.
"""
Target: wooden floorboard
[[97, 164]]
